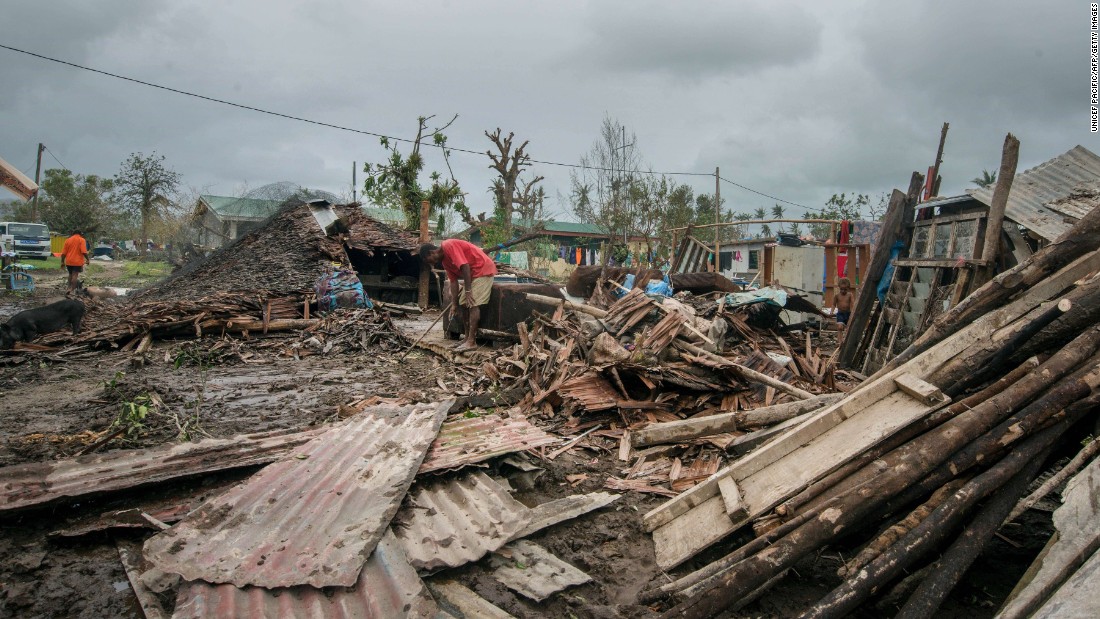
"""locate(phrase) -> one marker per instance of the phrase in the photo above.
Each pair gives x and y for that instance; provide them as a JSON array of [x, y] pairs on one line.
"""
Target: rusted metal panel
[[1049, 198], [313, 517], [42, 483], [463, 441], [457, 521], [387, 587], [531, 571]]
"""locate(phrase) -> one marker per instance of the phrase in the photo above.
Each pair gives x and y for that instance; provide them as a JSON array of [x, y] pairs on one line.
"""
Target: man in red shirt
[[74, 255], [462, 259]]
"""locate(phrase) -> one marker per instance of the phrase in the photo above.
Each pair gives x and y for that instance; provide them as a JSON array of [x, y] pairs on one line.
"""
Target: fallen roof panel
[[452, 523], [387, 587], [1038, 196], [530, 570], [313, 517], [42, 483], [463, 441]]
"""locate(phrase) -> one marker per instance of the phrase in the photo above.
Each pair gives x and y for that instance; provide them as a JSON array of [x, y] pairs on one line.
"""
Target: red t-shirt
[[457, 252]]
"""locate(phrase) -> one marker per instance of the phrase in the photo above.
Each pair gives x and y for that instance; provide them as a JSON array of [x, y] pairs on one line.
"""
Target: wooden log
[[697, 427], [747, 373], [1071, 247], [584, 309], [1013, 472], [810, 496], [1081, 459], [423, 282], [895, 532], [949, 568], [238, 326], [892, 225], [990, 250], [894, 473]]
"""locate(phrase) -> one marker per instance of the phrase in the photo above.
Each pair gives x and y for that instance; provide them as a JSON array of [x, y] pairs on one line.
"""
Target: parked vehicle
[[28, 240]]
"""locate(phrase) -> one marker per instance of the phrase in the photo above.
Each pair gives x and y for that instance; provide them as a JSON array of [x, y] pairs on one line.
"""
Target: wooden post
[[425, 270], [893, 224], [993, 223], [717, 220], [935, 182]]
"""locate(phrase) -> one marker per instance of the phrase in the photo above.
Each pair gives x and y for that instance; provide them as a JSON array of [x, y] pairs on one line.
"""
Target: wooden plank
[[865, 297], [927, 393], [130, 555], [452, 595], [731, 497], [763, 490], [1079, 597], [748, 442], [1077, 538], [698, 427]]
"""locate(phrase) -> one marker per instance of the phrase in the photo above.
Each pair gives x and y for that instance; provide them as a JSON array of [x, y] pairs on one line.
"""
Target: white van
[[28, 240]]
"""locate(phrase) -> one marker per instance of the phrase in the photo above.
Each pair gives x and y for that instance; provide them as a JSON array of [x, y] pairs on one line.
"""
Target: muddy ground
[[50, 410]]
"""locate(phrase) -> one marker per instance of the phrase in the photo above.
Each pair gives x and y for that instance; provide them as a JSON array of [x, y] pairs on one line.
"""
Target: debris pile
[[933, 451], [623, 377]]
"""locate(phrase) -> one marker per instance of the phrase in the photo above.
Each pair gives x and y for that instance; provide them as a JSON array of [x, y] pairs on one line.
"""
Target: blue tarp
[[655, 287], [888, 272], [773, 296], [337, 282]]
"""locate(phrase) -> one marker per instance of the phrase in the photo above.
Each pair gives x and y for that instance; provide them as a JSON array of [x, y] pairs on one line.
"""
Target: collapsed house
[[940, 247], [307, 257]]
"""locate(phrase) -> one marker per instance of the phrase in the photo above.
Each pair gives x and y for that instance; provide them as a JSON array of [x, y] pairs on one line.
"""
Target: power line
[[749, 189], [55, 157], [359, 131]]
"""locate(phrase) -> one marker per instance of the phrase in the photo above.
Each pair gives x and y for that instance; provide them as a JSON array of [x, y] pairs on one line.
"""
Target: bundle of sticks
[[1016, 365]]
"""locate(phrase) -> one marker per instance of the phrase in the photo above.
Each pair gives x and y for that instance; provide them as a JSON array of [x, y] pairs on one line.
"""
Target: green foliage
[[396, 183], [987, 179], [838, 207], [71, 202], [131, 416]]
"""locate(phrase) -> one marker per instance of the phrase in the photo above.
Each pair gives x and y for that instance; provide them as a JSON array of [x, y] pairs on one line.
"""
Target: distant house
[[220, 220]]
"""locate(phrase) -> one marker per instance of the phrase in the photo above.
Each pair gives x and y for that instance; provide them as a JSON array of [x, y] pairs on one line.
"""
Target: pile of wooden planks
[[928, 455], [639, 364]]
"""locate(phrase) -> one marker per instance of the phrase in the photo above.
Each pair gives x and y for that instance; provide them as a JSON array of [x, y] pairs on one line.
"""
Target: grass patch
[[145, 270]]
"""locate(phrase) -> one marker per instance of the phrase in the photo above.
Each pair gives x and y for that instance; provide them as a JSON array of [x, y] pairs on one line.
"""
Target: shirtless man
[[842, 302]]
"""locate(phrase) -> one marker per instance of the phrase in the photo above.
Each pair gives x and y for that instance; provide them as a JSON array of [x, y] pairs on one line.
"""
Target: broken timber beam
[[584, 309], [747, 373], [697, 427], [892, 225]]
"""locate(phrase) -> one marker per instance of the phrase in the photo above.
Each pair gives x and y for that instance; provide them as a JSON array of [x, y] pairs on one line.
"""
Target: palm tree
[[985, 180]]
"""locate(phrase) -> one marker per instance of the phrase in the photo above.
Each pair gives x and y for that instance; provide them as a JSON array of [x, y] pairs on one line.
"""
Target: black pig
[[29, 324]]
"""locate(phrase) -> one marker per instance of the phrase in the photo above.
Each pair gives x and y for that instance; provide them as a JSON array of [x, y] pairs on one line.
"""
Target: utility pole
[[935, 184], [717, 220], [353, 181], [37, 177]]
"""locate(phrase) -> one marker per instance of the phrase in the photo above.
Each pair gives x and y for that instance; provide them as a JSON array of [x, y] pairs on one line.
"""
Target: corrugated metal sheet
[[42, 483], [454, 522], [313, 517], [1036, 193], [387, 587], [531, 571], [463, 441]]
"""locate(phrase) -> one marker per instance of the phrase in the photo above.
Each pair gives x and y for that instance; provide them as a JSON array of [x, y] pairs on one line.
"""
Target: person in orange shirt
[[74, 255]]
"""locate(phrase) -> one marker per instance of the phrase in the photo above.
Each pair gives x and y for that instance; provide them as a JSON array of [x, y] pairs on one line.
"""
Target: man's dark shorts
[[74, 269], [842, 317]]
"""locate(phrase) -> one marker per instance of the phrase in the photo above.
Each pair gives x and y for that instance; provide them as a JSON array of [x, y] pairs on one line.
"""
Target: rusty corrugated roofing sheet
[[463, 441], [387, 587], [41, 483], [313, 517], [451, 523], [1038, 199], [530, 570]]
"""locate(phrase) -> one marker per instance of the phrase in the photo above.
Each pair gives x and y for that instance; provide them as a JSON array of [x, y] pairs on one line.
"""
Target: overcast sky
[[796, 100]]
